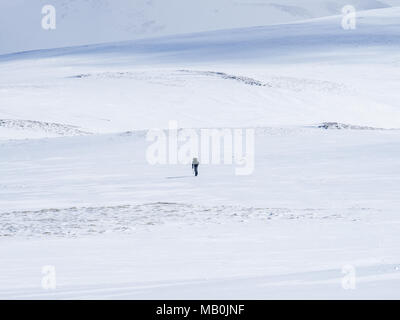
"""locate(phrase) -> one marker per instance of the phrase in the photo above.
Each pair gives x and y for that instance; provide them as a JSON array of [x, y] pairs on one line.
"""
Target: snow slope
[[78, 194], [81, 22], [115, 227]]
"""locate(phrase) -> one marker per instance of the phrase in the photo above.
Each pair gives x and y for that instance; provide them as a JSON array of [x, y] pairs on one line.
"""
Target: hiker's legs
[[196, 172]]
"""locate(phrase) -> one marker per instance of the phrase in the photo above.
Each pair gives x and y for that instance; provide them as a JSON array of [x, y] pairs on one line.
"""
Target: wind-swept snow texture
[[306, 73], [77, 193]]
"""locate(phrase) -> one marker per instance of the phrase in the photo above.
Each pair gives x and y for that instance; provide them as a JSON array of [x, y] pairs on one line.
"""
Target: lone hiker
[[195, 166]]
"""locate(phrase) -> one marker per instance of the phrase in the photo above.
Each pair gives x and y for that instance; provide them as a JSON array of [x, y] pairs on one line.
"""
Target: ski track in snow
[[262, 287]]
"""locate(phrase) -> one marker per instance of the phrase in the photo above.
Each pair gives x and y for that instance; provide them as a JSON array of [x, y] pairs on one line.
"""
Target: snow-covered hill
[[292, 74], [77, 192], [115, 227], [80, 22]]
